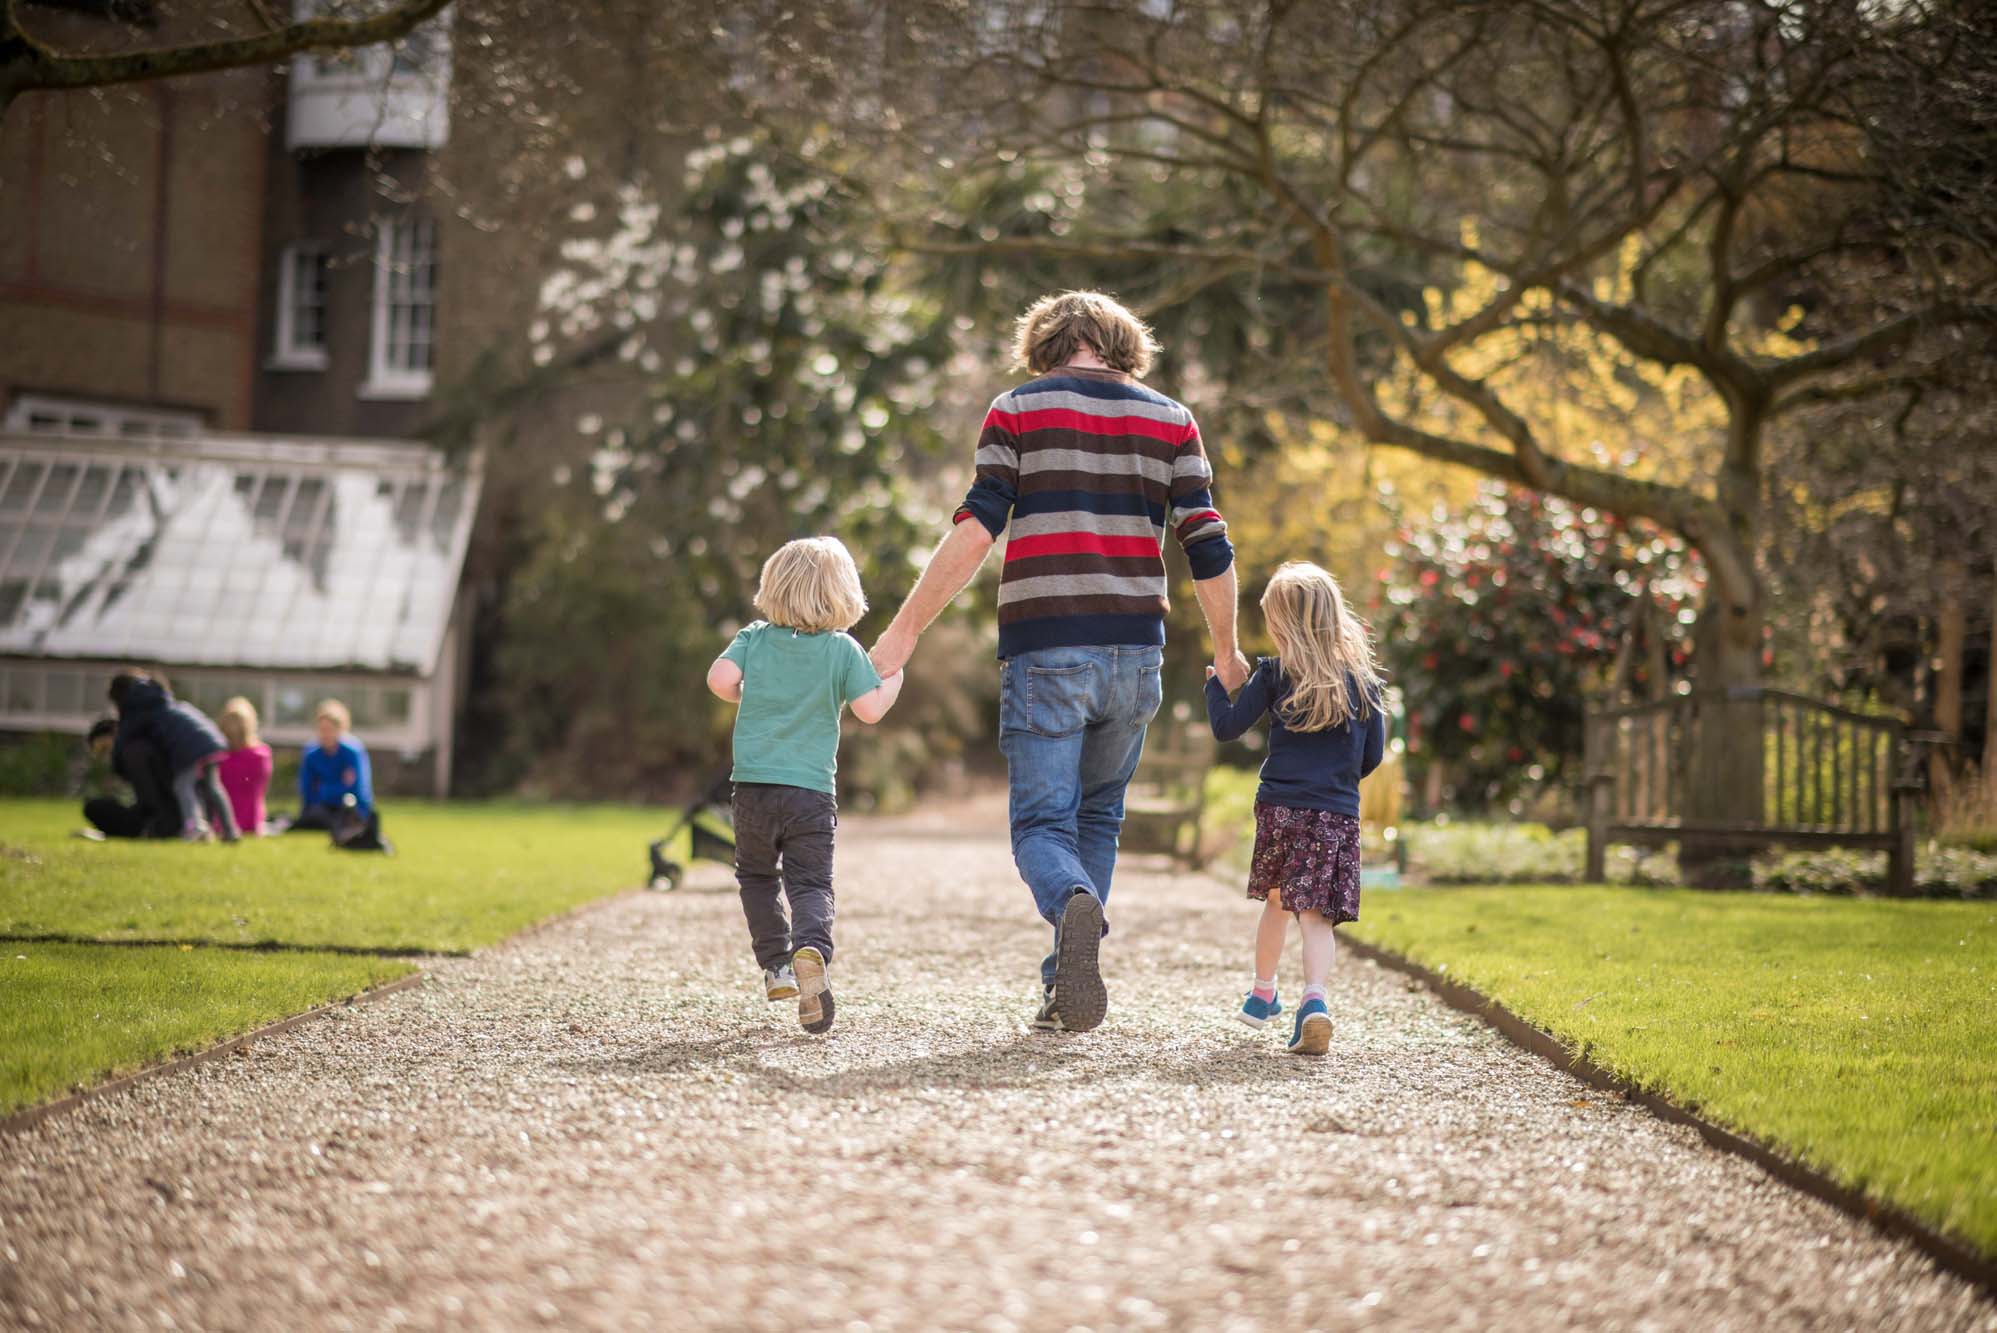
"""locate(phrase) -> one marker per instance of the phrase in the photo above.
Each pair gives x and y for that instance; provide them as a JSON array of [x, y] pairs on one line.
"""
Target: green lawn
[[464, 876], [77, 1013], [1859, 1034], [74, 1010]]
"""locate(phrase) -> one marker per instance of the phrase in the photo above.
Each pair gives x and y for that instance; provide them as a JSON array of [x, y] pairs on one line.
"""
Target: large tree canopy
[[1280, 182]]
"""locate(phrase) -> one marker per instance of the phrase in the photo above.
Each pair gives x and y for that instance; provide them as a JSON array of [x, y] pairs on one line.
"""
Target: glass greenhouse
[[283, 569]]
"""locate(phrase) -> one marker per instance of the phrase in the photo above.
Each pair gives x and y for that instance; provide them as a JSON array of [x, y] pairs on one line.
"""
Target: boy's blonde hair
[[811, 584], [238, 721], [1055, 327], [1322, 646], [332, 710]]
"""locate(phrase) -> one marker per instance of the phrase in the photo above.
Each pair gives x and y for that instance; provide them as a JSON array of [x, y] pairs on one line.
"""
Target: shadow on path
[[1027, 1060]]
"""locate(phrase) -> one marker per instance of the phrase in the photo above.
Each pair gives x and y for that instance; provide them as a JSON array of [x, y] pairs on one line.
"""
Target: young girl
[[1322, 694], [794, 675], [246, 768]]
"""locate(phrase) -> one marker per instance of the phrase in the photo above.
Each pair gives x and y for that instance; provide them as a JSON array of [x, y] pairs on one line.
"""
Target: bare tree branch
[[1881, 338], [27, 64]]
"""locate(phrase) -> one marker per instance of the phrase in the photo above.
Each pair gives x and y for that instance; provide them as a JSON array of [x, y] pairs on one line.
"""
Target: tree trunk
[[1952, 638], [1723, 747], [1990, 685]]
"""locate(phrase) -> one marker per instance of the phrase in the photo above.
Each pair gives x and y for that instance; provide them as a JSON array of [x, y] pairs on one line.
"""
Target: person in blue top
[[334, 784], [1326, 732]]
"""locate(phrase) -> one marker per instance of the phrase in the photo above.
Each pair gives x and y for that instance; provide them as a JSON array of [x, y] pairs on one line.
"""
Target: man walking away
[[1084, 469]]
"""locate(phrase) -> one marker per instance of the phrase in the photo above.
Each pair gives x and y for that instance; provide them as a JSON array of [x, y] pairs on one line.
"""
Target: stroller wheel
[[665, 874]]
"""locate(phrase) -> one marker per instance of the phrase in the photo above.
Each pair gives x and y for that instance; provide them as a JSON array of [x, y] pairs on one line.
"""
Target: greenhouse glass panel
[[230, 551]]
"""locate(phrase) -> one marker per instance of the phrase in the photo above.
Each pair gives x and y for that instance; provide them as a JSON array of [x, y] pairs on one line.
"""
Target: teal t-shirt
[[794, 687]]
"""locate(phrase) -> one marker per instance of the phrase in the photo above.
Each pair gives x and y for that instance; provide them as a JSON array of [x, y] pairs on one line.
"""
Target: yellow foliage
[[1585, 397]]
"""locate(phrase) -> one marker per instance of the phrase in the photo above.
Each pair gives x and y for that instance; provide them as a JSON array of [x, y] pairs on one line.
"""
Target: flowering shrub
[[1501, 620]]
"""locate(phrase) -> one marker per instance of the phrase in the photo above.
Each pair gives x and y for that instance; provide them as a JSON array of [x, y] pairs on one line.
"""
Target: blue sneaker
[[1313, 1032], [1255, 1012]]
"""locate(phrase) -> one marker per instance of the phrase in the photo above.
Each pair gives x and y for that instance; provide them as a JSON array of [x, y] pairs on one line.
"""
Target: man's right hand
[[892, 651], [1233, 670]]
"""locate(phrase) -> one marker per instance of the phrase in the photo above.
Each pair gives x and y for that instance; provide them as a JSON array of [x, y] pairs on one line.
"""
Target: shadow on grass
[[241, 946]]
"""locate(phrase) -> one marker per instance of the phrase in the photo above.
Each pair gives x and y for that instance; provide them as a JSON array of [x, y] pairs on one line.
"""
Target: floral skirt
[[1309, 857]]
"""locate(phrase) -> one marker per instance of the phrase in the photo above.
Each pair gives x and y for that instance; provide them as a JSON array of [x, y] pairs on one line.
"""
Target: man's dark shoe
[[1049, 1017], [1078, 978]]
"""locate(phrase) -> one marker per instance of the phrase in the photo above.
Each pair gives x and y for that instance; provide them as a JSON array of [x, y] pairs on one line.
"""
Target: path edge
[[23, 1120], [1948, 1253]]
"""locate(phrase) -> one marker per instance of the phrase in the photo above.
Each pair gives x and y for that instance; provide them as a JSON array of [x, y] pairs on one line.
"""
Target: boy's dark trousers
[[789, 827]]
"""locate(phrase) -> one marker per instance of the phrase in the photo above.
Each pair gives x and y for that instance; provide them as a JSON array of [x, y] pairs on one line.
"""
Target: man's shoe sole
[[1315, 1039], [814, 995], [782, 993], [1250, 1019], [1078, 978]]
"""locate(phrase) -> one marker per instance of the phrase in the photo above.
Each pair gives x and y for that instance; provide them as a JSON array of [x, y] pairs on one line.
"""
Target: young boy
[[333, 771], [794, 674]]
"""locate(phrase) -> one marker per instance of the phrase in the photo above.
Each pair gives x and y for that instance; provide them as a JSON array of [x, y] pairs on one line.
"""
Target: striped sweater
[[1088, 467]]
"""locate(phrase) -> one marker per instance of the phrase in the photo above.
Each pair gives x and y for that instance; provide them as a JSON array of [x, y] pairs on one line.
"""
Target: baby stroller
[[707, 844]]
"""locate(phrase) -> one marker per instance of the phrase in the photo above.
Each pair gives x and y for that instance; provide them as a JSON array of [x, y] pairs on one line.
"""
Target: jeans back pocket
[[1059, 698]]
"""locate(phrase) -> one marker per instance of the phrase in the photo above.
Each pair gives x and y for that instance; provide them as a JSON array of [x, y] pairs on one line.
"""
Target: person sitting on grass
[[149, 714], [246, 768], [153, 812], [793, 676], [335, 785]]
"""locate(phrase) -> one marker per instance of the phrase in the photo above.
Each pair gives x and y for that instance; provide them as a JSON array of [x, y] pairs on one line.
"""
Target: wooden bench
[[1166, 799], [1819, 776]]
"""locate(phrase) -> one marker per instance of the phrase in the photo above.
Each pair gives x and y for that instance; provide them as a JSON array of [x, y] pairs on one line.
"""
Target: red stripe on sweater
[[1200, 517], [1077, 543], [1062, 418]]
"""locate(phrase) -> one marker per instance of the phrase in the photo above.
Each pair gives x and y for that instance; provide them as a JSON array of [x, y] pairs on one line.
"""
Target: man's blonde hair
[[332, 710], [1324, 649], [811, 584], [238, 721], [1055, 327]]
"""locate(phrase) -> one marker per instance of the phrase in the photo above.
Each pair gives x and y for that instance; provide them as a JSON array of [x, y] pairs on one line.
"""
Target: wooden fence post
[[1600, 794], [1900, 860]]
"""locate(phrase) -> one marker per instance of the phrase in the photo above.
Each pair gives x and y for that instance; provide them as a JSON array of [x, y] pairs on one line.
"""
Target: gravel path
[[603, 1124]]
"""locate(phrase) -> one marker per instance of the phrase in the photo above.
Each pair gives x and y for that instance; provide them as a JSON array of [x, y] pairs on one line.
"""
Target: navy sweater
[[173, 727], [1305, 770]]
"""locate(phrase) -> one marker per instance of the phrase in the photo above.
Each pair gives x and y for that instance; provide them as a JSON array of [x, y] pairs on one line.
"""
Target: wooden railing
[[1749, 768]]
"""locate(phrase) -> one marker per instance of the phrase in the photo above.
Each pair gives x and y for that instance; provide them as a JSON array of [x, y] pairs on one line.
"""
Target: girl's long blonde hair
[[1323, 649], [238, 721]]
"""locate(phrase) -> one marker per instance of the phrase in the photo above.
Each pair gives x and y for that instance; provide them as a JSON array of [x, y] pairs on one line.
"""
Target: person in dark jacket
[[192, 745], [153, 812]]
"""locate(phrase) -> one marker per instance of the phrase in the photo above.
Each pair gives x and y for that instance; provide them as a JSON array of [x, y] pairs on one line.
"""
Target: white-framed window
[[301, 308], [390, 95], [402, 331], [39, 414]]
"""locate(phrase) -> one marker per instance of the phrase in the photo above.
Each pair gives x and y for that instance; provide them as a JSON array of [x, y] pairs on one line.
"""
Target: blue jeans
[[1071, 724]]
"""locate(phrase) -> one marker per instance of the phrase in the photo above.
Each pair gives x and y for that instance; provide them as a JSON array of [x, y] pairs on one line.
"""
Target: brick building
[[218, 328]]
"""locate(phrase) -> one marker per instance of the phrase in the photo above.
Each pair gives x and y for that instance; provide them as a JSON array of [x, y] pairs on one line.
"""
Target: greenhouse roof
[[230, 550]]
